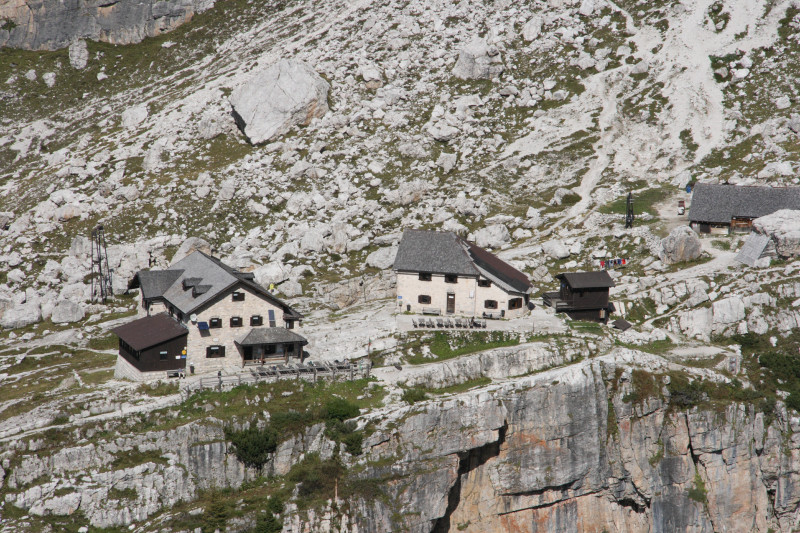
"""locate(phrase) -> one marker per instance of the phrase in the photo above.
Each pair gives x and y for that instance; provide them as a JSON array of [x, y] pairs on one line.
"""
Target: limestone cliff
[[577, 448], [53, 24]]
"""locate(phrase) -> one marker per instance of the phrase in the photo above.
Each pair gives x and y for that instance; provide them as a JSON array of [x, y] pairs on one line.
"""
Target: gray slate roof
[[433, 251], [270, 336], [155, 282], [718, 204], [215, 278]]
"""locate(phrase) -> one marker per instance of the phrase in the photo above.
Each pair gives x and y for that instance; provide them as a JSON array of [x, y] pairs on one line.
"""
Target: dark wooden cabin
[[582, 295], [153, 343], [723, 209]]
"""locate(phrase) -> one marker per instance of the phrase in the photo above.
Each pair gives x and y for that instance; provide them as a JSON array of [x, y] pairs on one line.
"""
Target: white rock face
[[270, 273], [190, 245], [382, 258], [478, 60], [134, 116], [682, 244], [555, 249], [532, 29], [783, 227], [493, 236], [21, 315], [287, 93], [728, 311], [78, 54], [67, 311]]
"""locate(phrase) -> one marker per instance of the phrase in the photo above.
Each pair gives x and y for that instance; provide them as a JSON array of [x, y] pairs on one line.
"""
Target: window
[[290, 324], [515, 303], [162, 356], [424, 299], [450, 278], [490, 304], [484, 283], [271, 314], [215, 323], [236, 321], [256, 320], [215, 351], [424, 276], [238, 296]]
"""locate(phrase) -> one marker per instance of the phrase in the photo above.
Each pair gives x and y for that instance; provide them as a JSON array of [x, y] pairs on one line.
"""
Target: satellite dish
[[193, 318]]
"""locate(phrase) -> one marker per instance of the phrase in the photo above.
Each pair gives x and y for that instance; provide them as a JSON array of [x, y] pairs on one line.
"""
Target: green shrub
[[215, 515], [413, 395], [267, 524], [784, 366], [275, 504], [698, 492], [253, 446], [316, 479], [643, 386], [340, 409], [354, 443]]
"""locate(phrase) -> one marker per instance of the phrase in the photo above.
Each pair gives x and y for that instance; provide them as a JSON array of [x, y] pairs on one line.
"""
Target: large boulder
[[478, 60], [555, 249], [682, 244], [190, 245], [21, 315], [382, 258], [287, 93], [493, 236], [67, 311], [783, 227]]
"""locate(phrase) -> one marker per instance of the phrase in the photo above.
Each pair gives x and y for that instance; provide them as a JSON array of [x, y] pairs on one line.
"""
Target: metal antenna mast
[[101, 274], [629, 214]]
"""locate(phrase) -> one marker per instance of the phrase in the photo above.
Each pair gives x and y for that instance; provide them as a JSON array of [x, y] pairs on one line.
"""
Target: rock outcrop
[[783, 227], [51, 24], [682, 244], [478, 60], [286, 94]]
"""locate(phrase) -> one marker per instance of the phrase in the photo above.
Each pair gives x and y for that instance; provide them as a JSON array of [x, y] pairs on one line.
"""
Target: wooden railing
[[336, 371]]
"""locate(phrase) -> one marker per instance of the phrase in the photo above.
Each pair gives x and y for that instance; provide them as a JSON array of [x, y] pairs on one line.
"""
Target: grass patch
[[698, 491], [462, 387], [131, 458], [585, 326], [160, 388], [644, 201], [446, 345]]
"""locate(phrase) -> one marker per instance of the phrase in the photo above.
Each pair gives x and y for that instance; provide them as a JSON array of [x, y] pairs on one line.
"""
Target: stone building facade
[[231, 320], [442, 273]]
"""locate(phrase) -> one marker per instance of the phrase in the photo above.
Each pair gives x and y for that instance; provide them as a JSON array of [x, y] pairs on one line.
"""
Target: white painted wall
[[470, 298]]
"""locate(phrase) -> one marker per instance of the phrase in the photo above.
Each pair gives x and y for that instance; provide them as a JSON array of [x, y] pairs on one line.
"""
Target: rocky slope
[[519, 126]]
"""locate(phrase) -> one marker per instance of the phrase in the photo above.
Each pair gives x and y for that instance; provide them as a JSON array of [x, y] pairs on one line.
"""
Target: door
[[451, 303]]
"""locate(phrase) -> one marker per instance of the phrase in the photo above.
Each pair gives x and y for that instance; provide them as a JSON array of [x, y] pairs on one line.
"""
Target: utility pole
[[101, 274], [629, 213]]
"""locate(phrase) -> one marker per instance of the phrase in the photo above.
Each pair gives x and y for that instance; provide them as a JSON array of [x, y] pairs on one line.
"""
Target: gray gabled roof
[[433, 251], [207, 278], [155, 282], [270, 336], [718, 204]]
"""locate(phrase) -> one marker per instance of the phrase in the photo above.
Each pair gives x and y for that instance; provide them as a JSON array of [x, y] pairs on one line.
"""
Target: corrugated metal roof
[[587, 280], [150, 331], [433, 251], [718, 204], [270, 336]]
